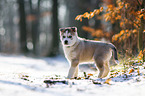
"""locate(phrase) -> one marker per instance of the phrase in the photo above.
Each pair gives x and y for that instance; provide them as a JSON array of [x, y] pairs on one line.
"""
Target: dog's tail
[[115, 53]]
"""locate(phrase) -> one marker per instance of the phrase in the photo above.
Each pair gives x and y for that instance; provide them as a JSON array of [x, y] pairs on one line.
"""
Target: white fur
[[71, 72], [74, 55], [71, 42], [69, 53]]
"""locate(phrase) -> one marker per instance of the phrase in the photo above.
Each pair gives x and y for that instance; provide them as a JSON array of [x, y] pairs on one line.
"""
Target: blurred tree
[[1, 25], [35, 12], [141, 28], [55, 33], [76, 7], [25, 25], [23, 29]]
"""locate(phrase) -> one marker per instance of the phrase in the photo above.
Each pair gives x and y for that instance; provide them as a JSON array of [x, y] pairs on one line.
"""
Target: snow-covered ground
[[24, 76]]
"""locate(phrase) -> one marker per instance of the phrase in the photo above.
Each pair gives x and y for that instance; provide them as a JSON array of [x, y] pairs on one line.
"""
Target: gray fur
[[89, 51]]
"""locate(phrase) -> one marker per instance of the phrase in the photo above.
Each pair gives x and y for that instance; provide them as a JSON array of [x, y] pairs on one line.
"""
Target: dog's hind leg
[[101, 67], [106, 69]]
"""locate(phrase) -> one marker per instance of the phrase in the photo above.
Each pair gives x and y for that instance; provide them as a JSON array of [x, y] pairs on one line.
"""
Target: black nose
[[65, 42]]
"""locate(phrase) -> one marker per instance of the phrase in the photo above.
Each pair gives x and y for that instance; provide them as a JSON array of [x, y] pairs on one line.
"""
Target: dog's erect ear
[[74, 29], [61, 29]]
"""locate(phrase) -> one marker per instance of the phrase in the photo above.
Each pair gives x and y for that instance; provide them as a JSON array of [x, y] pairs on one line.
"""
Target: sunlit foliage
[[128, 13]]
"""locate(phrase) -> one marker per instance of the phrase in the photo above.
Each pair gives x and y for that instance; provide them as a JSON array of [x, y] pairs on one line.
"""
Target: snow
[[24, 76]]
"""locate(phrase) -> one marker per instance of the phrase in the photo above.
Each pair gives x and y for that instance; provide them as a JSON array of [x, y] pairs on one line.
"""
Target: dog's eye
[[63, 36], [69, 36]]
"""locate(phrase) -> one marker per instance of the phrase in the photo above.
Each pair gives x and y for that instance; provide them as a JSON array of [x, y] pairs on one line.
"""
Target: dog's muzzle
[[66, 42]]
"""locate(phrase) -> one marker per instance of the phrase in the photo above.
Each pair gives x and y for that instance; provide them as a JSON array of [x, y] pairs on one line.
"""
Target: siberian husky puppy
[[78, 50]]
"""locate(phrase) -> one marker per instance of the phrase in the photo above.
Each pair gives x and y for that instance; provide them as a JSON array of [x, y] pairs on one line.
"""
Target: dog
[[78, 50]]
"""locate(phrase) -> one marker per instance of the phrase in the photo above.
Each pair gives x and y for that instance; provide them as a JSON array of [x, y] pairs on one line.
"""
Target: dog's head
[[68, 36]]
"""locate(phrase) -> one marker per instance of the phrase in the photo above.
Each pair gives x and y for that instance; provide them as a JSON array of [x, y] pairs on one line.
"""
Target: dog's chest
[[70, 53]]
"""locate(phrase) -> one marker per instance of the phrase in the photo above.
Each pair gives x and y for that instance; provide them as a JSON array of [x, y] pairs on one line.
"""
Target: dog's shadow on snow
[[34, 88], [57, 60]]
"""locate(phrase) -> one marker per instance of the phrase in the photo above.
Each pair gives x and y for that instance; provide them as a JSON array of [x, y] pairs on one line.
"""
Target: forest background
[[31, 26], [31, 52]]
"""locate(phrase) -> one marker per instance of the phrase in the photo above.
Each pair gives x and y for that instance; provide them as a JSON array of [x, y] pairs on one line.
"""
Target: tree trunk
[[1, 25], [140, 33], [35, 27], [23, 30], [55, 33]]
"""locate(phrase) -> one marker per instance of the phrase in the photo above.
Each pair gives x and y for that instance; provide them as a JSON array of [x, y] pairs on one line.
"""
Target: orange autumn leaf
[[120, 4], [140, 55], [119, 17], [126, 5], [79, 17], [113, 14], [123, 37], [91, 14], [122, 32], [89, 74], [86, 15], [115, 37], [97, 11], [127, 30], [110, 7], [134, 31], [121, 23], [140, 16], [108, 81], [101, 9], [107, 18], [132, 70], [144, 51]]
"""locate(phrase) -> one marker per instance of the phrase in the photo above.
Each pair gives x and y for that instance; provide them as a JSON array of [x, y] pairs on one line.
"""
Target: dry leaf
[[89, 74], [138, 71], [108, 81], [132, 70], [101, 9]]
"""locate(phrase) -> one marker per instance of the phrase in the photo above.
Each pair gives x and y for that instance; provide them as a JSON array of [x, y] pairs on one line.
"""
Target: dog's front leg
[[76, 71], [72, 70]]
